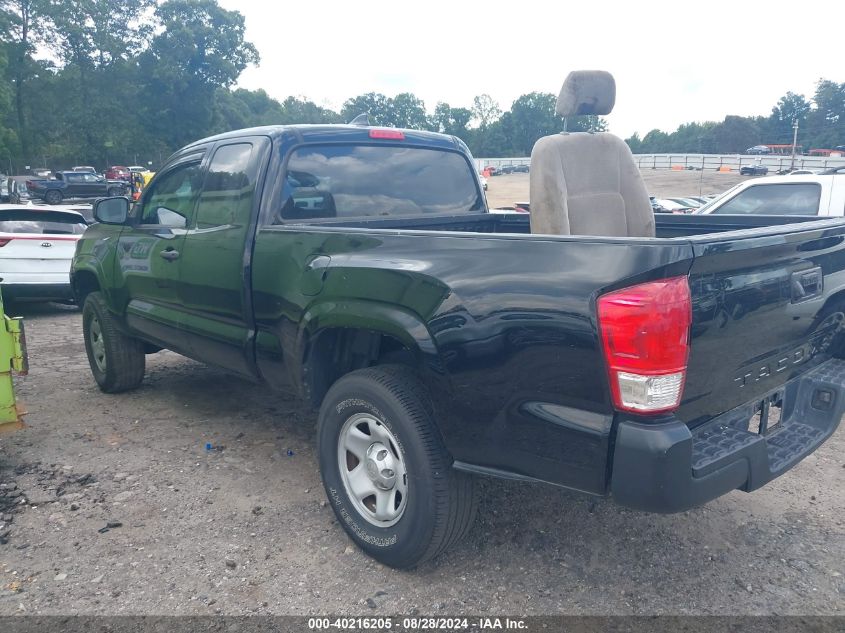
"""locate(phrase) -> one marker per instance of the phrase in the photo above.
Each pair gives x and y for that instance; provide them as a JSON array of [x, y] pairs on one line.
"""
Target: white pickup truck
[[806, 194]]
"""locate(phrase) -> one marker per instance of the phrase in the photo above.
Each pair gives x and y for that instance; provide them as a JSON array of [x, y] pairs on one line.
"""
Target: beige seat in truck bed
[[587, 183]]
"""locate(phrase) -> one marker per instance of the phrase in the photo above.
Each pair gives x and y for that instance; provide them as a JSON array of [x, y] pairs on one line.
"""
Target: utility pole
[[794, 142]]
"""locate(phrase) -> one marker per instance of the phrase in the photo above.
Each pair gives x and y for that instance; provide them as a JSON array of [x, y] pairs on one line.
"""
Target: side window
[[226, 198], [775, 199], [73, 179], [171, 201]]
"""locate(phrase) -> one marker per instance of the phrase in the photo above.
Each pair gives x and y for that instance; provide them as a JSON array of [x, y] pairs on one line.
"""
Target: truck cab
[[820, 195]]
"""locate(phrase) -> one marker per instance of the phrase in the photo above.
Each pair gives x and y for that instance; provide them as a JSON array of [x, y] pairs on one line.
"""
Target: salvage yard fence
[[707, 162], [734, 161]]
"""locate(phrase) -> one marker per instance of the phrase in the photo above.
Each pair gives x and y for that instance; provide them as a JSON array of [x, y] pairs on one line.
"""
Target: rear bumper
[[669, 468], [37, 292]]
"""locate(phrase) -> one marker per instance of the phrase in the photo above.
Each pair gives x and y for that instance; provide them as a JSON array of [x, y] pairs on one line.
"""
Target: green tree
[[790, 107], [25, 26], [533, 116], [98, 33], [378, 106], [409, 112], [485, 110], [441, 120], [734, 135], [300, 110], [689, 137], [9, 143], [826, 121], [635, 143], [654, 142], [201, 48], [449, 120]]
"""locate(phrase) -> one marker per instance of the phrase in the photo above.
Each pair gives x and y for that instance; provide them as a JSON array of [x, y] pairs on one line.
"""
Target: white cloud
[[674, 62]]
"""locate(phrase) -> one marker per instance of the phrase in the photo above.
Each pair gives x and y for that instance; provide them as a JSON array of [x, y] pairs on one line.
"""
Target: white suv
[[821, 194]]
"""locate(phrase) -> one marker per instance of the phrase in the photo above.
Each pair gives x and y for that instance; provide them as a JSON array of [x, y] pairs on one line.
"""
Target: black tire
[[54, 196], [440, 504], [115, 191], [116, 360]]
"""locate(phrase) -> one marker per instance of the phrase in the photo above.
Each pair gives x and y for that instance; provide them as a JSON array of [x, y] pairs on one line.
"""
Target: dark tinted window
[[45, 222], [226, 197], [362, 180], [775, 199]]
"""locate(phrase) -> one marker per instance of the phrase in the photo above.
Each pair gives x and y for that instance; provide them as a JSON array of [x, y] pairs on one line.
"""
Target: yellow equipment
[[12, 357]]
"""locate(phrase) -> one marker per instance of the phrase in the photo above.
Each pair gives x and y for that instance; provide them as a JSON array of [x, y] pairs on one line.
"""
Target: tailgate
[[36, 258], [766, 304]]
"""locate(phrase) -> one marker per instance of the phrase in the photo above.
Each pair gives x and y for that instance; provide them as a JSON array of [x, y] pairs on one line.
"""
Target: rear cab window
[[41, 222], [775, 199], [357, 181]]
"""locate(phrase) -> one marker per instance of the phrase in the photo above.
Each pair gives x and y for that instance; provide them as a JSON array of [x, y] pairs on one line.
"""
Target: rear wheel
[[53, 197], [116, 360], [386, 471]]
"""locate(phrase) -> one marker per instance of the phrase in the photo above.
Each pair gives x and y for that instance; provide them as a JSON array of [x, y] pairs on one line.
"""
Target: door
[[214, 287], [94, 186], [782, 198], [76, 186], [149, 255]]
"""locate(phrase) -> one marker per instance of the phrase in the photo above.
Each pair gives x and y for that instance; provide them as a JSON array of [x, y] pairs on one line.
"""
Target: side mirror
[[111, 210]]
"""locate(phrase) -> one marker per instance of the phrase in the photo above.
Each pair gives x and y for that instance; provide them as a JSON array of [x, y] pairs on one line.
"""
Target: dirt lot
[[504, 190], [245, 528]]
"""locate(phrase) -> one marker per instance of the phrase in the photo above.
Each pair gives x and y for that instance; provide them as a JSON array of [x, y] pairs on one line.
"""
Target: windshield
[[41, 222], [328, 181]]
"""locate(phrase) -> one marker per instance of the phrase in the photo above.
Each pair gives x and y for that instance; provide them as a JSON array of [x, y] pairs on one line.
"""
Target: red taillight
[[645, 336], [4, 241], [389, 134]]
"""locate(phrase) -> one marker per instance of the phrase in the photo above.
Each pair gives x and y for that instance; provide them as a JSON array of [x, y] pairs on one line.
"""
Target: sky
[[674, 62]]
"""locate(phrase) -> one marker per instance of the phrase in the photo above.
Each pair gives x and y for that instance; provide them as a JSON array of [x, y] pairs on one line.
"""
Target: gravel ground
[[503, 191], [113, 505]]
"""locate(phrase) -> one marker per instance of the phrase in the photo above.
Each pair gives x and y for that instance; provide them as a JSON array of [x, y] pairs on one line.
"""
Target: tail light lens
[[4, 241], [645, 337]]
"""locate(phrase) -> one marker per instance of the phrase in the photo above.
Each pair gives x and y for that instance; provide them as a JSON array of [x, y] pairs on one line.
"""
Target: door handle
[[314, 274], [169, 255], [318, 262]]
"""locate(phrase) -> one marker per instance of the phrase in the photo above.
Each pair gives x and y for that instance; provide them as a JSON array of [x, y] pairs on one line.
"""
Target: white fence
[[734, 161], [481, 163], [700, 161]]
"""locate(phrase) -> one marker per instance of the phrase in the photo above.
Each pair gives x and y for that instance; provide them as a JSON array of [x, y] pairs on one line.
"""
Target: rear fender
[[395, 322]]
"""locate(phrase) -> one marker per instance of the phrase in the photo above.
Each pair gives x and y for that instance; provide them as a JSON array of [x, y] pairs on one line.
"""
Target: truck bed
[[668, 225]]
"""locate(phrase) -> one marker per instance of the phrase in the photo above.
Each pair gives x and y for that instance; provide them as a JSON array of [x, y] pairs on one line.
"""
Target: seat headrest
[[586, 92]]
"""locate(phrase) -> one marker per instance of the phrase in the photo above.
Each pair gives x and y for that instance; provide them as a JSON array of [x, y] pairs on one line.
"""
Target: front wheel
[[116, 360], [116, 191], [385, 469]]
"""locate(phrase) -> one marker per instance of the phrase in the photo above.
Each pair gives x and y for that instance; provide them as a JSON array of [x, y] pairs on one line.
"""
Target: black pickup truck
[[74, 184], [360, 267]]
